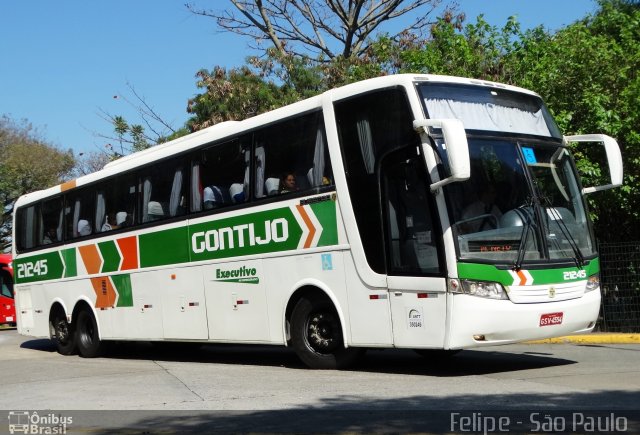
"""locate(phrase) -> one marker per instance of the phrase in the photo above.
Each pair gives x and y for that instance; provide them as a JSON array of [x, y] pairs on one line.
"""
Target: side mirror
[[614, 159], [455, 144]]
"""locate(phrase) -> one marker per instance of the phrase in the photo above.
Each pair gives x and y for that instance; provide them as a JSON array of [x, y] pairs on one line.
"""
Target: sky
[[63, 62]]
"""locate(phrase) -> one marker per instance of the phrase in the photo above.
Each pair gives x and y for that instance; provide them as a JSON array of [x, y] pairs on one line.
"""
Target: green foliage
[[588, 74], [27, 163], [238, 94]]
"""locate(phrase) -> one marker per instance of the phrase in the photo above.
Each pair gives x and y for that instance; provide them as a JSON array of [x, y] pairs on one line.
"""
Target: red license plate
[[551, 319]]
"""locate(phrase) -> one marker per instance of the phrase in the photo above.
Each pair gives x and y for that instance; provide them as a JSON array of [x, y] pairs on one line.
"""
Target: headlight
[[484, 289], [593, 283]]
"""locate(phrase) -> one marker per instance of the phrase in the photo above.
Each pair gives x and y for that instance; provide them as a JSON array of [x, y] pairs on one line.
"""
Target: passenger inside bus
[[122, 219], [51, 236], [154, 211], [483, 214], [84, 229], [212, 197], [109, 223], [288, 183]]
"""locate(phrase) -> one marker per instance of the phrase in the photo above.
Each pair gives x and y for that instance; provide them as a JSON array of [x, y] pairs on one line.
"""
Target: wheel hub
[[322, 335]]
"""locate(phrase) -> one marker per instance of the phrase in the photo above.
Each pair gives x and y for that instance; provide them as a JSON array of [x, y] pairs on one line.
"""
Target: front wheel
[[88, 339], [62, 333], [316, 336]]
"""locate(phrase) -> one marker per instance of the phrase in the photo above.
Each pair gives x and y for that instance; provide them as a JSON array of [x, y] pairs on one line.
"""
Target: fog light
[[479, 338]]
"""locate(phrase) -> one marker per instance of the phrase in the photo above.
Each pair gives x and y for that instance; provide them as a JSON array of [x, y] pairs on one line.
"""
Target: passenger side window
[[220, 175], [163, 188], [26, 227], [116, 204], [50, 222], [79, 213], [291, 156]]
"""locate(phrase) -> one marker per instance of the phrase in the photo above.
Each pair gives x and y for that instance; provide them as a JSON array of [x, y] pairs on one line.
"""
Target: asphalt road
[[261, 388]]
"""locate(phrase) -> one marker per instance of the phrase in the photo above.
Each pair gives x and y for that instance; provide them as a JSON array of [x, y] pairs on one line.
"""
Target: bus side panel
[[184, 309], [33, 316], [286, 275], [418, 309], [370, 315], [143, 320], [236, 301]]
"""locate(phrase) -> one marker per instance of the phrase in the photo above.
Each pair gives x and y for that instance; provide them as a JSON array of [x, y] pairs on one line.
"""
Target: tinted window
[[291, 156], [163, 191], [80, 213], [220, 175], [412, 237], [370, 126], [116, 204], [26, 227], [51, 219]]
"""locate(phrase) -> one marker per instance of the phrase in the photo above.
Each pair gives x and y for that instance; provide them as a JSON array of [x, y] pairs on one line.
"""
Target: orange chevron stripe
[[129, 248], [523, 277], [309, 224], [91, 258], [105, 293]]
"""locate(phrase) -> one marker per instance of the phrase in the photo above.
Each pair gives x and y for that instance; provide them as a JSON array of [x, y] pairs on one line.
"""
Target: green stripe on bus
[[486, 272], [110, 255], [257, 233], [38, 268], [162, 248], [262, 232], [326, 214], [122, 284], [70, 264]]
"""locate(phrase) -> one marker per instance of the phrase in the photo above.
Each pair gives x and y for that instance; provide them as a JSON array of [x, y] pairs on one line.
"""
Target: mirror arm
[[455, 142]]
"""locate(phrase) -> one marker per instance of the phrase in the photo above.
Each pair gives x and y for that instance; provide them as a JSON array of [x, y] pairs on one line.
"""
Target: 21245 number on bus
[[28, 270]]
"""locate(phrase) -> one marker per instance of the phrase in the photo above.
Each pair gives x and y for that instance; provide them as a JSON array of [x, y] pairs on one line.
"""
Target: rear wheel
[[316, 336], [62, 333], [87, 337]]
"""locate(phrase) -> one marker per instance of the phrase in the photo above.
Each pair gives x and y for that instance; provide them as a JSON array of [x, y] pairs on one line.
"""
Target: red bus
[[7, 306]]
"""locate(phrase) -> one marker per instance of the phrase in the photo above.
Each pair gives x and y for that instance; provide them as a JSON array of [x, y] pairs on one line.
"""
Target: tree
[[317, 30], [234, 95], [127, 137], [87, 163], [301, 61], [588, 74], [27, 163]]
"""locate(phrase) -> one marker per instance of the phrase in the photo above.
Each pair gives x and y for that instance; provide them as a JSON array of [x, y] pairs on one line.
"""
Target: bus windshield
[[522, 202]]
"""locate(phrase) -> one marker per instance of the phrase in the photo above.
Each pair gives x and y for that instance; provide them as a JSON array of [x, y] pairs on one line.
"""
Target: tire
[[316, 336], [62, 333], [87, 337]]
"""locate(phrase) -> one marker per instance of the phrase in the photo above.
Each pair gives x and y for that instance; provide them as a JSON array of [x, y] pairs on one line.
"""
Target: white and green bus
[[411, 211]]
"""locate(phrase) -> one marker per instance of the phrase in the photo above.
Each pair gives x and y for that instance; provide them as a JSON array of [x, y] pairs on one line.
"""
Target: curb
[[597, 338]]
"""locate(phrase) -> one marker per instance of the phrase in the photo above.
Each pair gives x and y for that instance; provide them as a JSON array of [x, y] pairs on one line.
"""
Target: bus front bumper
[[476, 321]]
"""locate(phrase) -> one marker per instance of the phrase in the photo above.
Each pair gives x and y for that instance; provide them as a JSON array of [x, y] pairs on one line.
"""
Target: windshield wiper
[[555, 215], [527, 225]]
